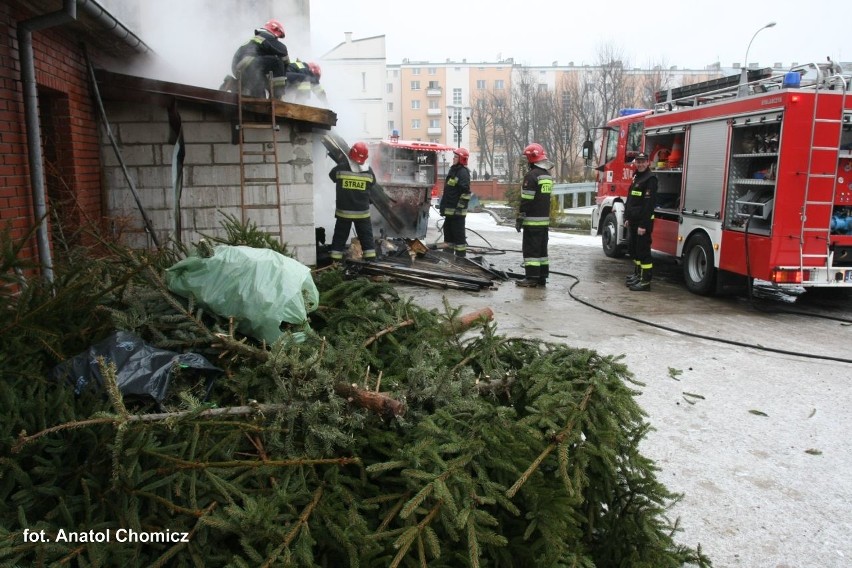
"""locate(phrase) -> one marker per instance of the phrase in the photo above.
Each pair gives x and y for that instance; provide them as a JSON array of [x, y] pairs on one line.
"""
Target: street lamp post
[[743, 86], [458, 125]]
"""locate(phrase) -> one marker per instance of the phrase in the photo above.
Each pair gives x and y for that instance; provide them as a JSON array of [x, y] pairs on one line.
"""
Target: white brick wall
[[211, 183]]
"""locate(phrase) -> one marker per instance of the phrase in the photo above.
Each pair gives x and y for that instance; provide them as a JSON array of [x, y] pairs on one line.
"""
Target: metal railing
[[579, 194]]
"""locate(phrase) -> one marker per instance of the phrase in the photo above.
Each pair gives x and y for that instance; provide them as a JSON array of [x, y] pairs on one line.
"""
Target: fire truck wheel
[[609, 237], [699, 268]]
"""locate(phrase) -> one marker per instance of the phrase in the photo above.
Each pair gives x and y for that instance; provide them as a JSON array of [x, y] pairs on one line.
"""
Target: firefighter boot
[[543, 274], [635, 277], [644, 282]]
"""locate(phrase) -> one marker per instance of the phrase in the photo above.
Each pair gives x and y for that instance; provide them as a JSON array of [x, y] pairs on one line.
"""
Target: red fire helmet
[[359, 153], [463, 155], [535, 153], [274, 27]]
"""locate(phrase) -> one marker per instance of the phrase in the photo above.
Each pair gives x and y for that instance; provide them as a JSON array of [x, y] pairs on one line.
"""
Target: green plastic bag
[[260, 288]]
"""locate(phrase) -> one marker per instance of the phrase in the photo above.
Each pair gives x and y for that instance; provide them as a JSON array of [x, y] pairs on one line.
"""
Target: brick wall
[[489, 190], [69, 128], [211, 184]]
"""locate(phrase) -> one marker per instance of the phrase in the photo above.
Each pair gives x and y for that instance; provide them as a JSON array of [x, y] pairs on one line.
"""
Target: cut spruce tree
[[382, 437]]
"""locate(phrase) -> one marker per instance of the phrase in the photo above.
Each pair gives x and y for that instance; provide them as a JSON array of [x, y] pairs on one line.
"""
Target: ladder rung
[[259, 152], [819, 203], [824, 148], [260, 207], [829, 120], [821, 175], [260, 180], [814, 255]]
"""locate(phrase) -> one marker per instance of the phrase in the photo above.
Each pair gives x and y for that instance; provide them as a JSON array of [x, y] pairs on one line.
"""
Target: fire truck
[[754, 178]]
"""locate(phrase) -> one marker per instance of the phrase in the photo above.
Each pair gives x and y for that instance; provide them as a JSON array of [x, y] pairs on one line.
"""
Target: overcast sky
[[538, 32]]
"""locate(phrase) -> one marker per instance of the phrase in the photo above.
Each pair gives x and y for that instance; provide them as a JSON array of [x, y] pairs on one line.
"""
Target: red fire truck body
[[754, 180], [408, 172]]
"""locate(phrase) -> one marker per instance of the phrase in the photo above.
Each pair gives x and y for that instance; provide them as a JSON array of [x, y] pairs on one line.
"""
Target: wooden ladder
[[254, 196], [821, 175]]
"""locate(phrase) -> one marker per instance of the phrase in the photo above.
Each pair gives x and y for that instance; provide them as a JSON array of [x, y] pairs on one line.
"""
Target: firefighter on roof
[[304, 79], [639, 219], [454, 201], [354, 180], [534, 217], [260, 55]]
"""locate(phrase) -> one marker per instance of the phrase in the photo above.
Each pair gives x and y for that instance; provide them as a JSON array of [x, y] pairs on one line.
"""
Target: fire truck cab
[[754, 180]]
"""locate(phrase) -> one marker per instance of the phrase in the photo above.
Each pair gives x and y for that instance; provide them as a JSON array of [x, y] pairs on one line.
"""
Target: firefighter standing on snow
[[303, 78], [534, 217], [354, 182], [639, 219], [453, 205], [259, 56]]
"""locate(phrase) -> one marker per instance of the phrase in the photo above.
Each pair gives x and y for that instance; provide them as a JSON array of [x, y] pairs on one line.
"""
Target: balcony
[[436, 131], [434, 91], [434, 112]]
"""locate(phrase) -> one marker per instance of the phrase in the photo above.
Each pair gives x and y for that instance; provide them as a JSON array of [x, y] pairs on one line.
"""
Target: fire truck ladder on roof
[[820, 185], [255, 197]]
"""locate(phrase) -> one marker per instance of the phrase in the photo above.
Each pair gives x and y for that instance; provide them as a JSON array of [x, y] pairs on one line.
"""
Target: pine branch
[[558, 439], [387, 330]]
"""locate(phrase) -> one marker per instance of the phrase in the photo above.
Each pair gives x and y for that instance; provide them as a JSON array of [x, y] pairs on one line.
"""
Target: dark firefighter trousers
[[364, 230], [534, 249], [639, 249], [454, 234]]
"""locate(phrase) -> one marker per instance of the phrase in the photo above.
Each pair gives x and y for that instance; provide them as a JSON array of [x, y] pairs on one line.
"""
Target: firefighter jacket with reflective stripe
[[301, 76], [352, 191], [263, 43], [535, 197], [641, 198], [456, 191]]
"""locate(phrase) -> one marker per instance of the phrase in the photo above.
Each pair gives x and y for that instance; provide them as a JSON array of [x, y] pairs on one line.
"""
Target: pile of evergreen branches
[[490, 451]]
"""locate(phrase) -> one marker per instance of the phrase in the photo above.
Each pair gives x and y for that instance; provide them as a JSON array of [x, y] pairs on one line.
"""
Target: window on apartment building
[[480, 104], [434, 104], [434, 85], [390, 88], [457, 96], [396, 72], [499, 163], [499, 84], [415, 85], [415, 104], [566, 103], [390, 107], [499, 142], [364, 81], [542, 87], [390, 126], [434, 123], [432, 70], [415, 71], [415, 123], [480, 84]]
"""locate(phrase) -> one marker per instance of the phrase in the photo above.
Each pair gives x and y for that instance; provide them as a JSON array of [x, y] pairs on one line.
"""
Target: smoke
[[194, 40]]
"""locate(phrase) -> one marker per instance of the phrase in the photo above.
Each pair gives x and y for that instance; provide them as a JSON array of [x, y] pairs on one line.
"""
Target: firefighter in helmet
[[454, 201], [639, 220], [534, 217], [354, 180], [259, 56], [304, 79]]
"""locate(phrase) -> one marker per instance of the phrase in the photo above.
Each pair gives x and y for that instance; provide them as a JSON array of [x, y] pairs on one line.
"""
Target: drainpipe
[[30, 92]]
